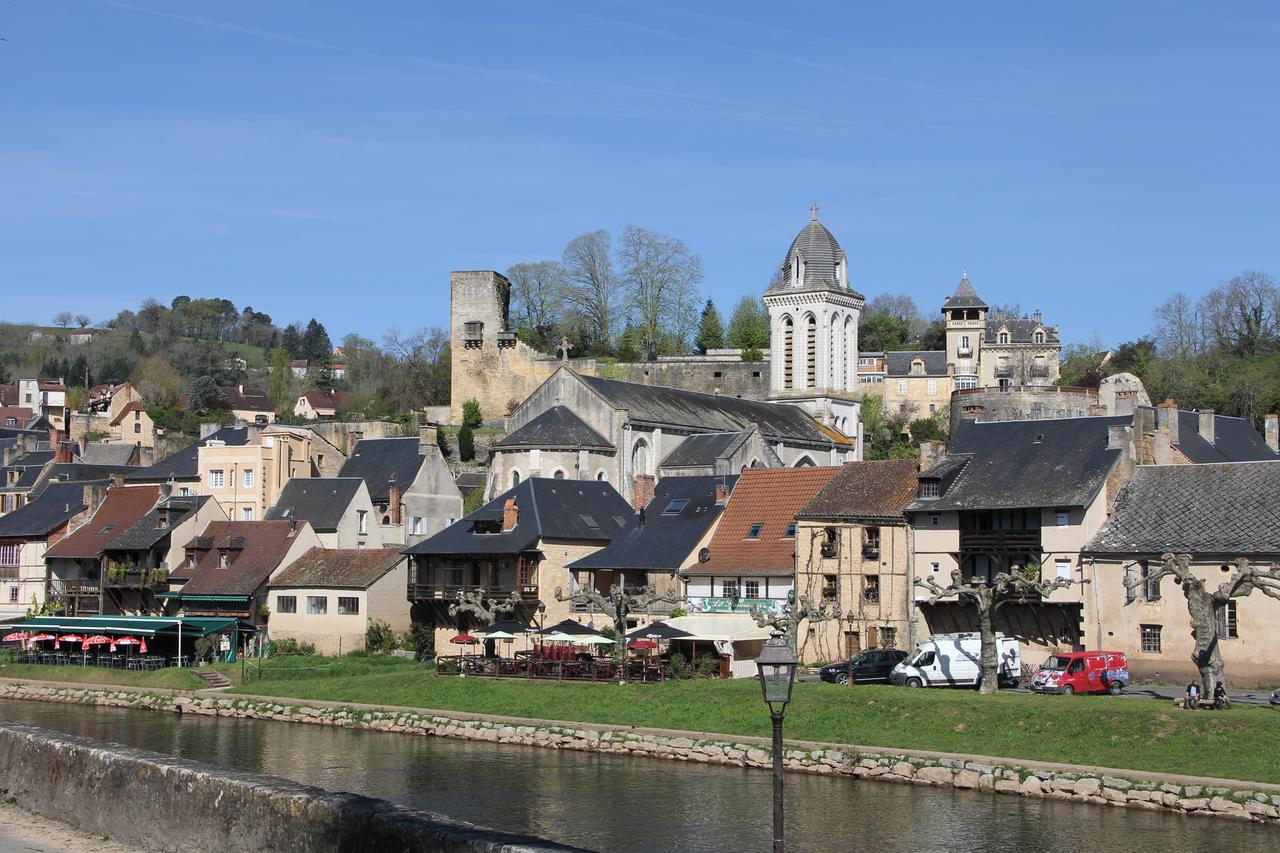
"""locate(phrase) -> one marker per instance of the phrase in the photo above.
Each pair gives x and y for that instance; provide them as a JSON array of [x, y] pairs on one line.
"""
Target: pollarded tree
[[1204, 603], [1021, 586], [619, 603], [789, 618], [480, 610]]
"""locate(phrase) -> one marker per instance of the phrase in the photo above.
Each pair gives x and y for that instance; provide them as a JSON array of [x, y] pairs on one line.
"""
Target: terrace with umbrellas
[[117, 642]]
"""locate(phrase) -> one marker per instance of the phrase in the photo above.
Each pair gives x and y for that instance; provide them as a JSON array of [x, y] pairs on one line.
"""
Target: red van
[[1083, 672]]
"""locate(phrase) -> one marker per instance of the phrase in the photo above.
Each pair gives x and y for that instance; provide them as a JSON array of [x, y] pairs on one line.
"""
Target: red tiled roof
[[19, 413], [339, 568], [121, 508], [770, 497], [254, 549], [128, 409]]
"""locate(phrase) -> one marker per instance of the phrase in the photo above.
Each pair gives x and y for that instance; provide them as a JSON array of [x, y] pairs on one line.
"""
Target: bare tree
[[63, 319], [661, 277], [898, 305], [483, 611], [537, 293], [1243, 315], [1021, 586], [1179, 326], [619, 604], [82, 320], [1203, 605], [594, 285]]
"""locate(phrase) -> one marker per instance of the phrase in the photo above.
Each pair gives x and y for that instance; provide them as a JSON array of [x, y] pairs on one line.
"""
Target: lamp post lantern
[[777, 669]]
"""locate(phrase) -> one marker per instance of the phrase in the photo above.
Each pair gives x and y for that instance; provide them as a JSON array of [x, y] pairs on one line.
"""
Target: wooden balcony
[[1000, 541]]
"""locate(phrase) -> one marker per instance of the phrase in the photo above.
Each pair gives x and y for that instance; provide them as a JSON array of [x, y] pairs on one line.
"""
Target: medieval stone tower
[[965, 315], [813, 330]]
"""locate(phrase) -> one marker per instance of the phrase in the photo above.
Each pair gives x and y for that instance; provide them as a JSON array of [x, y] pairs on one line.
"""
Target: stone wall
[[1120, 788], [1024, 403], [746, 379], [164, 803]]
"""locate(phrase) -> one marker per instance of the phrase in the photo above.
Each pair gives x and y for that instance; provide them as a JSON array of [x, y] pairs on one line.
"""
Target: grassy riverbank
[[174, 679], [1096, 731]]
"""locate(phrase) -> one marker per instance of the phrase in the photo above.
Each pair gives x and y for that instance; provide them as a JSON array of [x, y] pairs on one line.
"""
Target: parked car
[[955, 660], [868, 666], [1275, 698], [1083, 672]]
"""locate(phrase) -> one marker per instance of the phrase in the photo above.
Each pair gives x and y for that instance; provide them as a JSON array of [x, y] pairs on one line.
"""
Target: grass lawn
[[1100, 731], [176, 679]]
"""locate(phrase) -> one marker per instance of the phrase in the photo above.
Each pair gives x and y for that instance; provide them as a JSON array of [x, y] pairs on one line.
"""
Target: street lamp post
[[777, 668]]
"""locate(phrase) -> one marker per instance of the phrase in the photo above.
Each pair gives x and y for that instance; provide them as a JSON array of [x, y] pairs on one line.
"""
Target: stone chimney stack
[[931, 453], [428, 434], [63, 454], [1167, 419], [352, 437], [207, 430], [1207, 425], [1117, 437], [722, 494], [510, 515], [1273, 432]]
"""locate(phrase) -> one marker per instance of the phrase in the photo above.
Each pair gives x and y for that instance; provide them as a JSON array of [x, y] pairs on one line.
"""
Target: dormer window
[[1039, 337], [930, 487], [224, 559], [1004, 337], [917, 368]]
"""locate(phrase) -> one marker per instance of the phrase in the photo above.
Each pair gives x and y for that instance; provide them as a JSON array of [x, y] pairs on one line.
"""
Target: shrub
[[204, 648], [708, 666], [423, 638], [379, 638], [466, 444], [677, 612], [752, 354], [357, 653], [471, 413], [290, 646]]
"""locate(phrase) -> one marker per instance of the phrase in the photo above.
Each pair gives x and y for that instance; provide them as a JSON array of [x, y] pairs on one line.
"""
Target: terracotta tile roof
[[128, 410], [339, 568], [119, 511], [254, 549], [769, 497], [871, 490], [319, 399]]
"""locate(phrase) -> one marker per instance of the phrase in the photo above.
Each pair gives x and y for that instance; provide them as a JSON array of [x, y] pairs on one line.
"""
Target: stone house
[[329, 597], [659, 543], [1015, 494], [227, 567], [248, 478], [522, 541], [76, 566], [409, 482], [338, 509], [580, 427], [136, 563], [853, 553], [916, 382], [181, 469], [985, 350], [320, 403], [133, 425], [1217, 513], [751, 557], [28, 532]]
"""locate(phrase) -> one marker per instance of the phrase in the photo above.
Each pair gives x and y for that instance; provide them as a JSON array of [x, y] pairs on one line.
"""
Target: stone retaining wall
[[164, 803], [1130, 789]]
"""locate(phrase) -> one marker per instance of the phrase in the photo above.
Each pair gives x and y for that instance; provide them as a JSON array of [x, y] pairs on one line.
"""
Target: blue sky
[[338, 159]]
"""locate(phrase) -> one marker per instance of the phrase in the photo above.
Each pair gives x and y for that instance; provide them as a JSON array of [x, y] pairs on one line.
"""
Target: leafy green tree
[[466, 443], [710, 330], [280, 382], [749, 325], [471, 413], [883, 333]]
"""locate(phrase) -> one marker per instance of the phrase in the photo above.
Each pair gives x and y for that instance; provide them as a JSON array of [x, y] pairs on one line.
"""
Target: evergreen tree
[[442, 442], [202, 394], [316, 346], [466, 444], [471, 413], [710, 330], [292, 342], [136, 342]]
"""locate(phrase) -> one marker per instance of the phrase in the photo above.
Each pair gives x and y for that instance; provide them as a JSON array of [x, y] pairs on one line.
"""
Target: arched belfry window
[[811, 352], [788, 353]]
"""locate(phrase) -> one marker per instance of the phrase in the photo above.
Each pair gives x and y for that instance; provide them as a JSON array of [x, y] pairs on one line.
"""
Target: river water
[[608, 802]]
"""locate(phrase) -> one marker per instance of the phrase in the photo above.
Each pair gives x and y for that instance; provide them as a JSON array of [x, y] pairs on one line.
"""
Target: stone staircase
[[213, 678]]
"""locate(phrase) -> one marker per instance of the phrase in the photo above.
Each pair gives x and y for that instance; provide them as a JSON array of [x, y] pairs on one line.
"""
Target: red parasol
[[142, 646], [464, 640], [95, 640], [128, 641], [70, 638], [16, 635], [642, 644]]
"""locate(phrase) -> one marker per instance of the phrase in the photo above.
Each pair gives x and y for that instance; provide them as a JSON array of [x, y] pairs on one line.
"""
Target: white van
[[955, 660]]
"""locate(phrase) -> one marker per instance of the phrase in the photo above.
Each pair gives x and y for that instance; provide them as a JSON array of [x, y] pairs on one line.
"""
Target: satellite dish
[[704, 555]]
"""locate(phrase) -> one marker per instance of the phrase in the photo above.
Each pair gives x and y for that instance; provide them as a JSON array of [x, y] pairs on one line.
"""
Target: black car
[[868, 667]]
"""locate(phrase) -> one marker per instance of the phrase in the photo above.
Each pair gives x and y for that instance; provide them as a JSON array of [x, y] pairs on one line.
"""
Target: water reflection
[[615, 803]]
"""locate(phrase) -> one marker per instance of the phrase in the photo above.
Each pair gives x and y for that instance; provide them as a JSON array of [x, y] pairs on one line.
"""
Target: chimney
[[207, 430], [722, 494], [1207, 425], [510, 515], [1273, 432], [166, 491], [352, 437], [642, 491], [1035, 315], [1117, 437], [63, 453], [393, 500], [1167, 419], [427, 437], [117, 480], [931, 453]]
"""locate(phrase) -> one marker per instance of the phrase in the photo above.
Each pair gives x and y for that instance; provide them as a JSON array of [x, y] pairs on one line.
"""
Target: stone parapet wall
[[164, 803], [1107, 787]]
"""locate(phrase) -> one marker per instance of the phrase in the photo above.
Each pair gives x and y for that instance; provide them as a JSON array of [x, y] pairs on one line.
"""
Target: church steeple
[[815, 259]]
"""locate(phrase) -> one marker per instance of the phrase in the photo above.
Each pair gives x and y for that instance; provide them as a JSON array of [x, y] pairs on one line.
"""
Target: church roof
[[699, 412], [556, 427], [820, 251], [964, 297]]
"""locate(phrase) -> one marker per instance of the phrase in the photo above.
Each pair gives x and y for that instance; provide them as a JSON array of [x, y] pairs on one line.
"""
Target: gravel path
[[23, 831]]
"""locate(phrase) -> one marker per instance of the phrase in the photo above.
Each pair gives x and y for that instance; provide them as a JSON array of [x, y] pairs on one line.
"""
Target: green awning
[[147, 626], [238, 599]]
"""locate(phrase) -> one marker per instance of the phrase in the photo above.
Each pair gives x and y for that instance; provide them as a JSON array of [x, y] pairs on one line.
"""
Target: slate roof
[[1023, 464], [701, 412], [265, 544], [588, 510], [29, 466], [1224, 509], [144, 533], [899, 363], [71, 472], [657, 540], [702, 450], [56, 506], [1234, 440], [556, 427], [820, 251], [770, 497], [320, 500], [873, 491], [339, 568], [469, 481], [319, 399], [99, 453], [183, 465], [251, 399], [1020, 330], [375, 460], [964, 297], [119, 511]]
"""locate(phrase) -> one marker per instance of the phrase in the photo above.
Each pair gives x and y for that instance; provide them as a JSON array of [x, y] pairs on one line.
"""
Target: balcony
[[871, 552], [964, 350], [965, 368], [1003, 369], [871, 595], [135, 578], [449, 592], [1039, 370], [1016, 541]]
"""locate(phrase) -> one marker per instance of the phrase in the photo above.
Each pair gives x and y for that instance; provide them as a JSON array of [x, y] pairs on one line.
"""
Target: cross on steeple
[[813, 208]]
